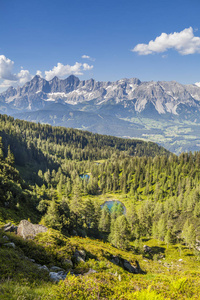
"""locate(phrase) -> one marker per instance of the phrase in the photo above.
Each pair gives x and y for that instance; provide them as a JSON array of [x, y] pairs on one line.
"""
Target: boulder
[[129, 267], [126, 265], [55, 269], [90, 271], [43, 268], [9, 227], [147, 249], [79, 256], [10, 245], [28, 230], [57, 276], [30, 259], [116, 260], [68, 262]]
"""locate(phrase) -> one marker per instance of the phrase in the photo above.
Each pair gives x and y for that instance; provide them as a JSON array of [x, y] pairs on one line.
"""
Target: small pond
[[85, 176], [110, 204]]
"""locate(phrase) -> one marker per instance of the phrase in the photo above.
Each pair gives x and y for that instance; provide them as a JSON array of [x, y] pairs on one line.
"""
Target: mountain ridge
[[125, 108], [165, 96]]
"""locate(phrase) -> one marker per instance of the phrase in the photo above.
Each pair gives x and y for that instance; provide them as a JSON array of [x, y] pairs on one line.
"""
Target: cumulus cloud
[[39, 73], [63, 70], [184, 42], [23, 76], [88, 57], [8, 77], [6, 66], [87, 67]]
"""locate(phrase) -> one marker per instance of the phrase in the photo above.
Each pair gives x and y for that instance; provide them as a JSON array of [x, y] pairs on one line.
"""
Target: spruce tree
[[104, 221]]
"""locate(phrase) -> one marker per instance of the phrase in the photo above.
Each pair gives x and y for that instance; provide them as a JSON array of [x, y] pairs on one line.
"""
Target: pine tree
[[168, 237], [119, 233], [52, 218], [188, 234], [10, 159], [1, 149], [104, 221]]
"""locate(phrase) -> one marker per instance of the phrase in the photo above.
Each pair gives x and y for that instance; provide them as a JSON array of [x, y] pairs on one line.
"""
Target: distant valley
[[167, 113]]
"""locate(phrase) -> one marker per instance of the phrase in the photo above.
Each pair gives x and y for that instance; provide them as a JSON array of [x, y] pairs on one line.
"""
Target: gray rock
[[5, 238], [147, 249], [28, 230], [9, 228], [91, 271], [79, 256], [10, 245], [30, 259], [115, 260], [69, 262], [43, 268], [82, 253], [129, 267], [57, 276], [55, 269], [125, 264], [63, 274]]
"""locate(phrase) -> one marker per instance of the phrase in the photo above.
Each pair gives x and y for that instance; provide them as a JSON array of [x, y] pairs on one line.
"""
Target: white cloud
[[63, 70], [87, 67], [6, 66], [8, 77], [39, 73], [23, 76], [85, 56], [88, 57], [184, 42]]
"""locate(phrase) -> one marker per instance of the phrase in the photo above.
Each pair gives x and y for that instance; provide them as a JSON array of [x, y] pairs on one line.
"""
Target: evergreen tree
[[104, 221], [52, 218], [119, 233], [10, 159]]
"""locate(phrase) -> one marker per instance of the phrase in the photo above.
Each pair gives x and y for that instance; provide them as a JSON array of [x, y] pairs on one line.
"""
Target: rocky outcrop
[[79, 256], [126, 265], [147, 249], [28, 230], [57, 276], [9, 227]]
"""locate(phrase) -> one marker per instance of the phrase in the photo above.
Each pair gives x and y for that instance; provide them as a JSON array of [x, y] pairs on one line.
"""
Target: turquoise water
[[111, 203], [85, 176]]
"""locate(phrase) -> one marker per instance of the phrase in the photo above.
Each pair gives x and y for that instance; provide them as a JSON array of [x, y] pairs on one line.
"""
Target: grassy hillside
[[45, 181], [170, 273]]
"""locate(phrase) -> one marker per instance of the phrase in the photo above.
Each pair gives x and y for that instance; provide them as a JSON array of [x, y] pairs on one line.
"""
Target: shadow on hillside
[[27, 155], [155, 251]]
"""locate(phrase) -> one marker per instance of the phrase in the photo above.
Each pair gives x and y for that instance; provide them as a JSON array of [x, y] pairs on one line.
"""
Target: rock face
[[126, 265], [163, 97], [28, 230]]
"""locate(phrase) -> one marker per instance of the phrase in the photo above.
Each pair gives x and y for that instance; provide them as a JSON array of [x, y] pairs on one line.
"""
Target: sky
[[105, 40]]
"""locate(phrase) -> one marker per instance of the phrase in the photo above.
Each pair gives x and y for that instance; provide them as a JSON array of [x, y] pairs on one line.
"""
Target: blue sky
[[50, 38]]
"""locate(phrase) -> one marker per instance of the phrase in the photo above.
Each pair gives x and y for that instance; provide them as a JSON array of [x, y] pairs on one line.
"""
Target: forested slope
[[45, 181]]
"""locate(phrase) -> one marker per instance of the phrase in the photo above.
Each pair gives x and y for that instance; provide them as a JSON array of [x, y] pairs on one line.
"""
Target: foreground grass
[[171, 272]]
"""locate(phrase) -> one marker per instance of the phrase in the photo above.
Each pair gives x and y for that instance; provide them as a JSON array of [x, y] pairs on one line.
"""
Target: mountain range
[[165, 112]]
